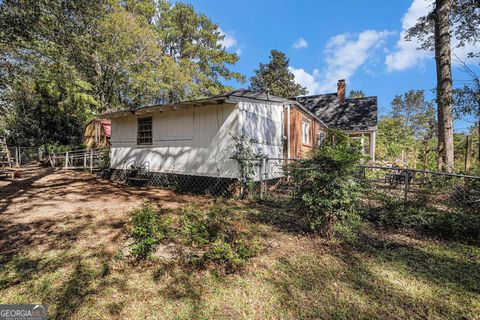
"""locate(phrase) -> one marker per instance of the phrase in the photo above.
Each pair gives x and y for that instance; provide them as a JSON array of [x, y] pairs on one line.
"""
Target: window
[[144, 131], [321, 137], [305, 131]]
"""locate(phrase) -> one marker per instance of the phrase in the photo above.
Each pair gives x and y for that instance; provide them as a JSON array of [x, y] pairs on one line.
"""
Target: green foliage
[[324, 184], [222, 234], [461, 224], [247, 159], [62, 62], [146, 232], [275, 78], [409, 132], [356, 94]]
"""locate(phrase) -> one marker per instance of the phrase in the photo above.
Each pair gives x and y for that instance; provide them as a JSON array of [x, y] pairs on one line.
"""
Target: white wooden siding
[[198, 140]]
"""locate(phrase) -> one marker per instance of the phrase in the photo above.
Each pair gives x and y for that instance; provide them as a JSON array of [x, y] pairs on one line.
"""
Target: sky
[[360, 41]]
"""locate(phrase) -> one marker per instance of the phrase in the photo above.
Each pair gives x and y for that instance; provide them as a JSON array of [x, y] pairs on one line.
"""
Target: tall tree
[[275, 78], [194, 42], [72, 59], [467, 98], [434, 31], [356, 94], [415, 118]]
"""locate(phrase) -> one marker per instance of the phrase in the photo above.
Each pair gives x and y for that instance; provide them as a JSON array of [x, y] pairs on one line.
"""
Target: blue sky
[[329, 40]]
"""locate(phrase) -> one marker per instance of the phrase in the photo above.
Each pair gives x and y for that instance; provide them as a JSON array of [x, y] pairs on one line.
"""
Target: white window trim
[[136, 130], [306, 136]]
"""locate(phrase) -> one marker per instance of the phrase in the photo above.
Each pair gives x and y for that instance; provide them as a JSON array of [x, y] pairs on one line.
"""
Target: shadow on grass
[[377, 279], [278, 214], [461, 271]]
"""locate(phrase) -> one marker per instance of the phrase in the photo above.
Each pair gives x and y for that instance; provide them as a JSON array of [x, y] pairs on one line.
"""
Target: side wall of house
[[197, 140], [298, 149]]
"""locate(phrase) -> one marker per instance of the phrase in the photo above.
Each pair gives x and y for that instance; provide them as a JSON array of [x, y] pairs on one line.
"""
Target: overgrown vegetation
[[221, 234], [418, 215], [145, 231], [217, 237], [325, 189], [247, 160]]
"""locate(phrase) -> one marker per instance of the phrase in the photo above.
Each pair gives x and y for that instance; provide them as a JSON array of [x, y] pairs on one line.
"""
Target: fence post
[[91, 160], [407, 185], [84, 160], [66, 160], [17, 156], [39, 153], [262, 169]]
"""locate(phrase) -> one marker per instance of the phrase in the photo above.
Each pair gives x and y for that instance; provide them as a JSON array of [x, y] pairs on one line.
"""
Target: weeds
[[145, 231]]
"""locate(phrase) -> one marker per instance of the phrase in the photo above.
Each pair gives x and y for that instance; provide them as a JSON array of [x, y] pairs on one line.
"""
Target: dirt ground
[[44, 208], [62, 235]]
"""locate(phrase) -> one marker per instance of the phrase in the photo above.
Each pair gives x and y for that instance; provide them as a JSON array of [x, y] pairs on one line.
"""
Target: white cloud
[[310, 81], [344, 54], [406, 55], [229, 40], [300, 43]]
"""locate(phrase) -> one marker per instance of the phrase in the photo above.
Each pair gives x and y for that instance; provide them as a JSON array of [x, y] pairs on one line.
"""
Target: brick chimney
[[341, 91]]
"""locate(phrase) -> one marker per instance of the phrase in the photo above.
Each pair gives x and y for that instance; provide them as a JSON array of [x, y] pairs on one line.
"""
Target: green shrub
[[222, 235], [419, 216], [194, 226], [145, 231], [325, 189]]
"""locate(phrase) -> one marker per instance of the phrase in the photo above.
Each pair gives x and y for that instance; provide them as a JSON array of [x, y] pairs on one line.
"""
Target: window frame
[[151, 131], [306, 131], [320, 136]]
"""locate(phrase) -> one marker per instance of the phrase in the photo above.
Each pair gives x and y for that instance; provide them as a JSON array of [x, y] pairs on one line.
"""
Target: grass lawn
[[67, 253]]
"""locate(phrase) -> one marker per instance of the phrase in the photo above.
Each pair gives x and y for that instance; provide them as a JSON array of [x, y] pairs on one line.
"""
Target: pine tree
[[275, 78]]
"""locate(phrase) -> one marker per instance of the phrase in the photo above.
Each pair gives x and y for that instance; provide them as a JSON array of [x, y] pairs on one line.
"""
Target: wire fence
[[19, 156], [86, 159], [271, 180], [443, 191]]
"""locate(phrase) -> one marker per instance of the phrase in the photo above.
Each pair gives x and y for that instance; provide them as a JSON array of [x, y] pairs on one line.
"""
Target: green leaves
[[90, 56], [275, 78], [324, 185]]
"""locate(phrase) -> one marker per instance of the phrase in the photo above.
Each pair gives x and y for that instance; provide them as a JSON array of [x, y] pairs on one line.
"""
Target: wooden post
[[39, 153], [91, 160], [84, 160], [17, 156], [407, 186], [262, 168], [66, 160], [468, 154]]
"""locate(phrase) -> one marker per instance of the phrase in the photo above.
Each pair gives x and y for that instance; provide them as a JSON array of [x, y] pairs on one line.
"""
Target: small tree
[[247, 158], [324, 184]]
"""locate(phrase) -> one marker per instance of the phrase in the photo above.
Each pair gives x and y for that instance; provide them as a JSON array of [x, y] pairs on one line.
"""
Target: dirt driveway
[[47, 209]]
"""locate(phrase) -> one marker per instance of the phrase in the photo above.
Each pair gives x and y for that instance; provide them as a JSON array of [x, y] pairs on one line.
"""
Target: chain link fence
[[270, 179], [25, 155], [443, 191]]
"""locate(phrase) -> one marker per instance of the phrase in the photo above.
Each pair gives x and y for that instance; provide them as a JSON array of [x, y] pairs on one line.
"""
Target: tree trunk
[[444, 85], [478, 143]]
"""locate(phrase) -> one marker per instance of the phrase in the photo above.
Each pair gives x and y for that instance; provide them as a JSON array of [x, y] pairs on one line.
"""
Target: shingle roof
[[248, 94], [356, 114]]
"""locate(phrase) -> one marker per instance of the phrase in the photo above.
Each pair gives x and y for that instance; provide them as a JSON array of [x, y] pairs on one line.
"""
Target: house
[[197, 138], [96, 134], [355, 116]]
